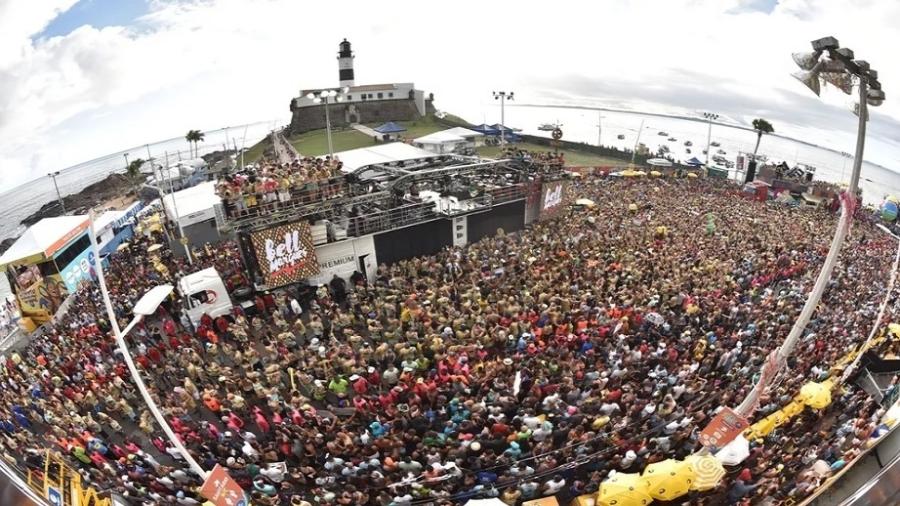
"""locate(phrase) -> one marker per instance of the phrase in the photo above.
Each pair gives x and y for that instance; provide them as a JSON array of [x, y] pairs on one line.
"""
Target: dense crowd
[[273, 183], [528, 364]]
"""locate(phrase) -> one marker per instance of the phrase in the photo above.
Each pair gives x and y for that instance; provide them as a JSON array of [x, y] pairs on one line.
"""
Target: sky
[[83, 78]]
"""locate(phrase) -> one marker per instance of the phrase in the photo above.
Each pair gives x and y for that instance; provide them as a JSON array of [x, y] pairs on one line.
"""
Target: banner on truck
[[285, 253]]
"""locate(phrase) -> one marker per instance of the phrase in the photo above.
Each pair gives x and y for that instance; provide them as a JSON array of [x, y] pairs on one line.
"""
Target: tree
[[762, 127], [134, 172], [193, 137]]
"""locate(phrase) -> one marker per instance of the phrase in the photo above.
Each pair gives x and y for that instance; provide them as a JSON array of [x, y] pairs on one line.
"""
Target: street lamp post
[[710, 117], [503, 96], [62, 204], [637, 141], [324, 97], [841, 70], [600, 117], [146, 306]]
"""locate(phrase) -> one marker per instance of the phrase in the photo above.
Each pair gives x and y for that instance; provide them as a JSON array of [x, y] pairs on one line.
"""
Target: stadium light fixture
[[503, 96], [806, 61], [840, 80], [810, 78]]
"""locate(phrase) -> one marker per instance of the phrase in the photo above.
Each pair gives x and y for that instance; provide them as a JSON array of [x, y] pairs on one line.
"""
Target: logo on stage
[[554, 198], [285, 253]]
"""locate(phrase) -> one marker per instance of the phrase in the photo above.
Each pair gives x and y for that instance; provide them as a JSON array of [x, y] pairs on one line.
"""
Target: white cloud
[[218, 62]]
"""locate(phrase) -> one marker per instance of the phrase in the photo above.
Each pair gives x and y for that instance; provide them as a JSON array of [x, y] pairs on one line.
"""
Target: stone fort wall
[[304, 119]]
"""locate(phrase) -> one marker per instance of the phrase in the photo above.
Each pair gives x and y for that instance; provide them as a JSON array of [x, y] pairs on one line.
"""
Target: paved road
[[366, 130], [283, 149]]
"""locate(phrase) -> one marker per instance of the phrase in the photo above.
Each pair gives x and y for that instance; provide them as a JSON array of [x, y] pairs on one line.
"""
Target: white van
[[204, 292]]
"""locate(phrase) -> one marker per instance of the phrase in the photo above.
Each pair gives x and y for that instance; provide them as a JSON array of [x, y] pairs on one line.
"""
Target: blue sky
[[96, 13]]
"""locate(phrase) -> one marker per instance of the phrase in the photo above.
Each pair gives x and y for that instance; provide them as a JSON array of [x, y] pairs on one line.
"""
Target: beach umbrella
[[692, 175], [892, 198], [655, 173], [816, 395], [655, 318], [585, 202], [888, 210], [624, 489], [894, 328], [123, 246], [734, 452], [668, 479], [154, 247], [632, 207], [708, 472]]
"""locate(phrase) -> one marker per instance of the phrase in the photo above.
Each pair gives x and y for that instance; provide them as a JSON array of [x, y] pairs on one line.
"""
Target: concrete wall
[[343, 114]]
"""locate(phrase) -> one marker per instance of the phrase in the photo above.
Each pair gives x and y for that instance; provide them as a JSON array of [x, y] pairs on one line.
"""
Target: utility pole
[[600, 117], [187, 248], [159, 188], [637, 142], [62, 204], [503, 96], [709, 119]]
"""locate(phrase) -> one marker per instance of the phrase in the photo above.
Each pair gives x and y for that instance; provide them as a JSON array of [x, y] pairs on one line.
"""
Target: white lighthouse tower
[[345, 64]]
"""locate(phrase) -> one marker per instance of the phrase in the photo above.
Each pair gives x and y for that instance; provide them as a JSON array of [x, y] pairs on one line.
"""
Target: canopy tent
[[503, 128], [659, 162], [465, 133], [44, 238], [380, 153], [194, 204], [694, 162], [486, 129], [486, 502], [442, 137], [390, 128]]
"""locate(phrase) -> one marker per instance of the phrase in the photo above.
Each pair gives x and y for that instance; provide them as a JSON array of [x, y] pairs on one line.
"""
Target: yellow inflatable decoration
[[669, 479], [624, 489], [816, 395]]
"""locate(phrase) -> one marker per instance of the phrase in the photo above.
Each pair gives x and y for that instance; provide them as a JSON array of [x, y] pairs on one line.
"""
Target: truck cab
[[203, 292]]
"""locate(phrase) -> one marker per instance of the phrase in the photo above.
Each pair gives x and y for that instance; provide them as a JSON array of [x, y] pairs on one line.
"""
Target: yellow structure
[[62, 481], [624, 489], [668, 479]]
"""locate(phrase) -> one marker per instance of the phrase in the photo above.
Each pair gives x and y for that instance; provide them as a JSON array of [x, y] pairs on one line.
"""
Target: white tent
[[45, 238], [194, 204], [380, 153], [465, 133], [486, 502]]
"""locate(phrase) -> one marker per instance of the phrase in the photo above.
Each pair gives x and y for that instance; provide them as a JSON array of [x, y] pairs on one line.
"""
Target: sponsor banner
[[460, 230], [555, 197], [42, 299], [79, 270], [222, 490], [335, 259], [285, 253], [726, 426]]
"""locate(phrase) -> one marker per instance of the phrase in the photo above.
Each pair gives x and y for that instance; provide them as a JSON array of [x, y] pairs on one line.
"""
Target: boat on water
[[688, 143], [662, 133], [687, 150], [720, 151], [620, 136], [547, 127], [673, 139], [714, 144]]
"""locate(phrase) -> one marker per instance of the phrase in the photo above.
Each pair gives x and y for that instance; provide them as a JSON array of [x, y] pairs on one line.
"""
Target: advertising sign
[[335, 259], [555, 197], [285, 253], [222, 490], [41, 300], [80, 269], [723, 429], [54, 497]]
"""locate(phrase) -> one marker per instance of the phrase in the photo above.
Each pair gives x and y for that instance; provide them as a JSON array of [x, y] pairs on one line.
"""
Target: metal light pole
[[158, 187], [59, 198], [503, 96], [144, 307], [323, 96], [183, 239], [710, 116], [637, 141], [600, 117], [841, 70]]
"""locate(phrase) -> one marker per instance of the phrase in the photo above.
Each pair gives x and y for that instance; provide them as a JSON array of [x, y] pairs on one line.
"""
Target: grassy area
[[315, 142], [576, 158], [256, 151], [419, 127]]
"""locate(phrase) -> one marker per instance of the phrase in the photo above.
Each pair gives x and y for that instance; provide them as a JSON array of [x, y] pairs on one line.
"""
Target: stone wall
[[342, 114]]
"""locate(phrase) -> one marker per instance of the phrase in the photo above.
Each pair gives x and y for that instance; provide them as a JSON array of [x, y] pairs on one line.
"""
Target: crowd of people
[[525, 365], [271, 184]]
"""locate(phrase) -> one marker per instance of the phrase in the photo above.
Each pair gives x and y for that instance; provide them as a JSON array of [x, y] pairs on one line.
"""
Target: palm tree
[[193, 137], [762, 127], [134, 172]]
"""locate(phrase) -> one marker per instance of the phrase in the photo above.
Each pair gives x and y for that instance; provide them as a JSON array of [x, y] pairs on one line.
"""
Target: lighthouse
[[345, 64]]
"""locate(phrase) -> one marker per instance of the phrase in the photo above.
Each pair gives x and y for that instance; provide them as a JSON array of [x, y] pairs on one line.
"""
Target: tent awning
[[694, 162], [45, 238], [390, 128]]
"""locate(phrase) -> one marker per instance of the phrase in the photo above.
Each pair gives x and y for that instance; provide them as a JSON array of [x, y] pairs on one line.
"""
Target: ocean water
[[580, 125], [23, 200]]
